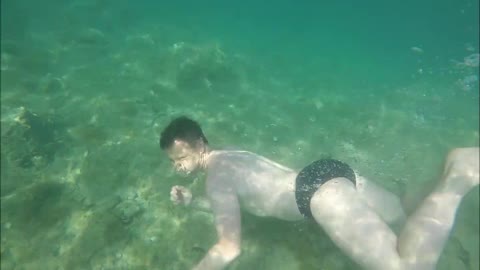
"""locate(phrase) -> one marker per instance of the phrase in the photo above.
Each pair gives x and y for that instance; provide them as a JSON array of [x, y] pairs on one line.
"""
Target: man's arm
[[226, 209]]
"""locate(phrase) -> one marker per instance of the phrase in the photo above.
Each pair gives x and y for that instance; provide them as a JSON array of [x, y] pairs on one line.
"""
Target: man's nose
[[177, 165]]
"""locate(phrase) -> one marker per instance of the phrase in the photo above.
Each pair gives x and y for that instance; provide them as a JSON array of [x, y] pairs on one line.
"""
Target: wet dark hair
[[182, 128]]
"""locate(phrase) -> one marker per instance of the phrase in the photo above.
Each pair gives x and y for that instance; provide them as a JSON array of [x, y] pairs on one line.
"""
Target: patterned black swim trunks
[[313, 176]]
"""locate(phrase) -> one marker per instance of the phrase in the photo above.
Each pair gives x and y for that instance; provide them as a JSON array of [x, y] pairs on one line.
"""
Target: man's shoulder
[[227, 156], [235, 159]]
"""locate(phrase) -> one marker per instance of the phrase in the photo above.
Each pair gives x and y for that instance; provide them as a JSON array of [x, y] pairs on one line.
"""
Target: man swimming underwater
[[353, 211]]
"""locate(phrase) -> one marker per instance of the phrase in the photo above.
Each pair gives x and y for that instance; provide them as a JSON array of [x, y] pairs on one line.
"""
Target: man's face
[[185, 158]]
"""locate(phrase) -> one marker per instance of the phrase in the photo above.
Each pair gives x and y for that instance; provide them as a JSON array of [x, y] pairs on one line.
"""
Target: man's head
[[185, 144]]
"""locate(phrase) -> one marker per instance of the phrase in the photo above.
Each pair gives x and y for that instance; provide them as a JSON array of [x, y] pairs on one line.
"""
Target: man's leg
[[355, 227], [362, 234], [422, 240], [386, 204]]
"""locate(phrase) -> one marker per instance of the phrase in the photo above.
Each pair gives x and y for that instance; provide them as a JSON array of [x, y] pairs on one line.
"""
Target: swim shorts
[[313, 176]]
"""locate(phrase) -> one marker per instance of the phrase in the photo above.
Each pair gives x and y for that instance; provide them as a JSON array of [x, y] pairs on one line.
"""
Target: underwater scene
[[87, 86]]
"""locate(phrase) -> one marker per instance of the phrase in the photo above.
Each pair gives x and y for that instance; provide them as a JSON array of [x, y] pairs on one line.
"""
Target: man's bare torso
[[263, 187]]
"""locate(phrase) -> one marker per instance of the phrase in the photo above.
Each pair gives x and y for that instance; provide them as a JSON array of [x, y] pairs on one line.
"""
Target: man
[[353, 211]]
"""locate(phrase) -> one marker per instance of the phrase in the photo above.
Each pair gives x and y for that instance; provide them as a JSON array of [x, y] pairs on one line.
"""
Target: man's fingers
[[180, 194], [174, 195]]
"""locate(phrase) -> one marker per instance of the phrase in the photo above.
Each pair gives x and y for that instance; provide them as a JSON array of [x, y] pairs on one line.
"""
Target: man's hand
[[180, 195]]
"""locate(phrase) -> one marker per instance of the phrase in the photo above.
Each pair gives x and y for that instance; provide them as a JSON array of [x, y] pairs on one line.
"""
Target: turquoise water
[[87, 86]]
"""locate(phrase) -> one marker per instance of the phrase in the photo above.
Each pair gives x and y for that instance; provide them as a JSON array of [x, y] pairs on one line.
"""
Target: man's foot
[[462, 169]]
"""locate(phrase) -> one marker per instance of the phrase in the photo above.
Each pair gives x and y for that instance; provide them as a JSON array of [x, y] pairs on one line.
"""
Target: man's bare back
[[264, 188]]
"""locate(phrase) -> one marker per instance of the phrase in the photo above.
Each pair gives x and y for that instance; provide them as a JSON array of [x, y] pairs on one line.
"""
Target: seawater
[[88, 85]]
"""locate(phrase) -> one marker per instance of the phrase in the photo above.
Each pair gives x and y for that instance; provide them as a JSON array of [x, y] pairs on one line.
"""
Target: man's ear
[[199, 144]]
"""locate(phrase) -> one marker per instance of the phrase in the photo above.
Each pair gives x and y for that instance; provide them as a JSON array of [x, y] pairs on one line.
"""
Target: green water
[[87, 86]]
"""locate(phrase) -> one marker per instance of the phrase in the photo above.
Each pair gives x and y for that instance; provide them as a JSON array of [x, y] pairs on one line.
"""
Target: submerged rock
[[30, 140], [127, 210], [206, 68]]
